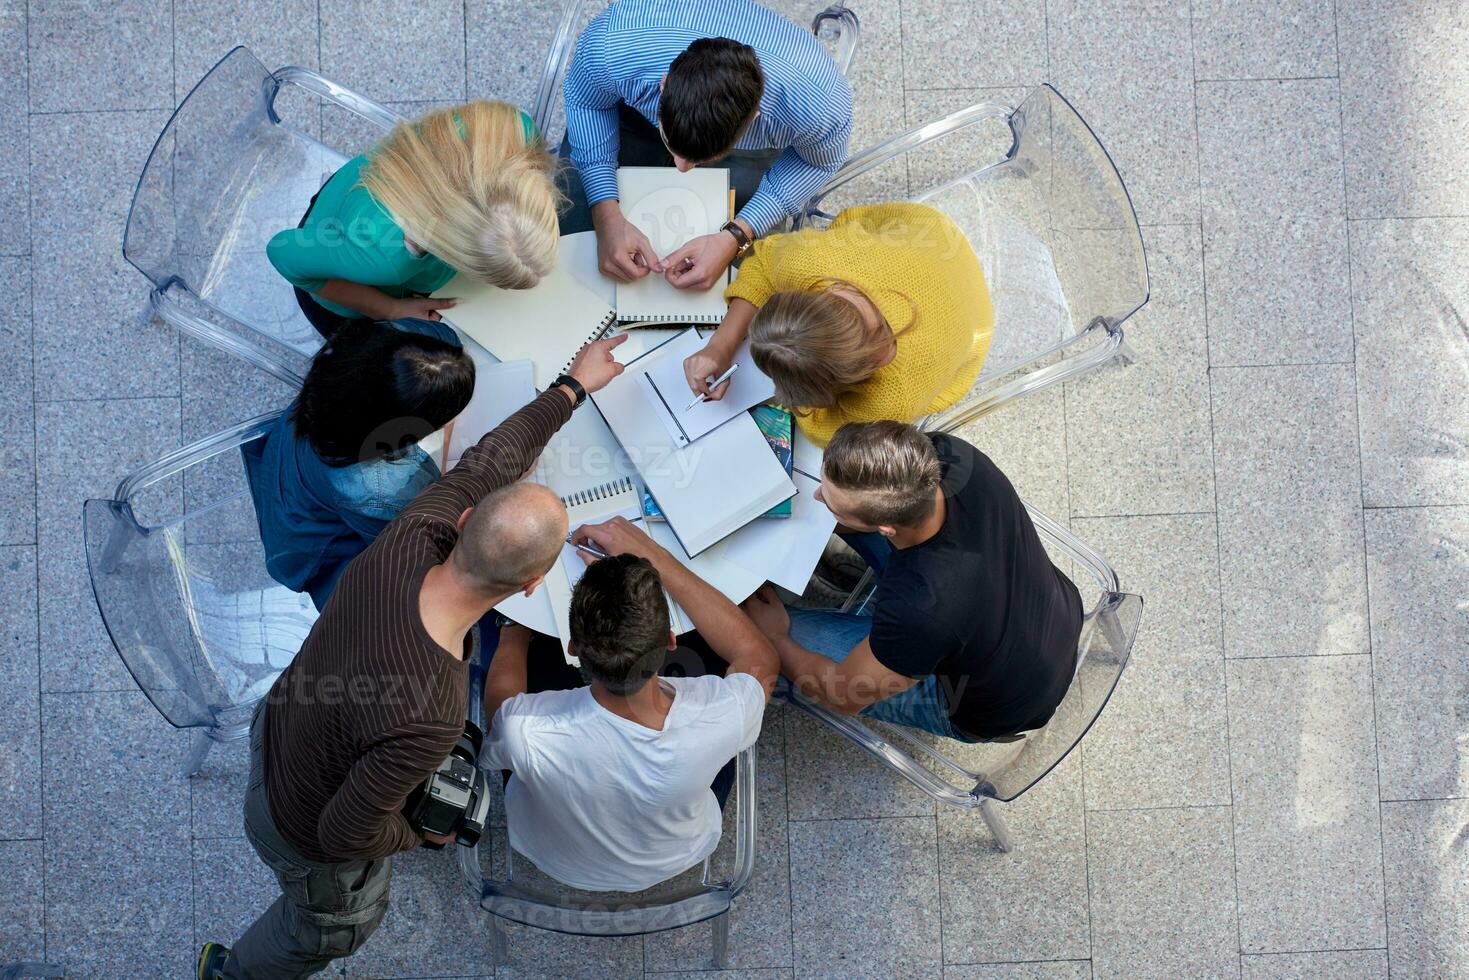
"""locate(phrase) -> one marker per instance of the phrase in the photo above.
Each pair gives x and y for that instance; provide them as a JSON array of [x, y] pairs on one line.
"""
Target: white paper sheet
[[672, 209]]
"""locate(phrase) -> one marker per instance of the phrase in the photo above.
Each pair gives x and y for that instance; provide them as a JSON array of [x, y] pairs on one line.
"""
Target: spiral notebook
[[672, 209], [546, 325]]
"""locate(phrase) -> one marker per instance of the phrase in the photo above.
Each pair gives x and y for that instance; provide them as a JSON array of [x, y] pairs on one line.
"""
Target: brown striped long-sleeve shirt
[[371, 705]]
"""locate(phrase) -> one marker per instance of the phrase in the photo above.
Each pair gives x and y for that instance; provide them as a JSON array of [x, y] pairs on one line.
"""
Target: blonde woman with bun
[[885, 315], [467, 189]]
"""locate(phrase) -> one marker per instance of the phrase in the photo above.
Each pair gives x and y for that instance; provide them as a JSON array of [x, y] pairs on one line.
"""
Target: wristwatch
[[574, 385], [742, 240]]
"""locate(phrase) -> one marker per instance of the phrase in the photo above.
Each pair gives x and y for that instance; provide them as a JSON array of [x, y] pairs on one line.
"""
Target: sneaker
[[211, 961]]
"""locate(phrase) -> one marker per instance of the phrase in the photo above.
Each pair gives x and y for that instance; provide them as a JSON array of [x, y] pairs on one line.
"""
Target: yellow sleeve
[[752, 282], [821, 424]]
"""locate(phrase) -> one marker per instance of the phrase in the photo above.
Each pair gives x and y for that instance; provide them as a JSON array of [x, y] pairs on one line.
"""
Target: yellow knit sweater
[[893, 253]]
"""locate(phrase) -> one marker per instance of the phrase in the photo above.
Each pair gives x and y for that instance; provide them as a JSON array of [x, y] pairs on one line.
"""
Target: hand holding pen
[[713, 384]]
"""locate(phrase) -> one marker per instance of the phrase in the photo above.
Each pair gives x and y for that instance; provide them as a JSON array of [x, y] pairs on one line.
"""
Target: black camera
[[455, 797]]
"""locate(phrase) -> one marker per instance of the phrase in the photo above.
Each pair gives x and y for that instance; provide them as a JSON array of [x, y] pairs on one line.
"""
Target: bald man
[[376, 698]]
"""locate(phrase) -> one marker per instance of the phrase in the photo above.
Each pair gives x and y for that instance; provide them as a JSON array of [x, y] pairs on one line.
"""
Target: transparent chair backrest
[[1040, 202], [225, 175], [518, 891], [193, 613], [960, 774], [836, 27]]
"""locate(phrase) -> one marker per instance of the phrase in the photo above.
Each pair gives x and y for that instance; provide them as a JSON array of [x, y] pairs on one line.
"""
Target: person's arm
[[364, 819], [818, 152], [378, 305], [311, 259], [719, 351], [507, 674], [512, 447], [845, 687], [729, 633], [591, 113]]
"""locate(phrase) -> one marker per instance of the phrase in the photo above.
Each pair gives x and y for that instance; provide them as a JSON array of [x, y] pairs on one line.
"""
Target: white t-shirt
[[605, 804]]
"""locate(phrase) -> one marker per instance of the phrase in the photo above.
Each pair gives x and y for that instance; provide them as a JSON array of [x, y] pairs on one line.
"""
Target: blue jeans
[[832, 634]]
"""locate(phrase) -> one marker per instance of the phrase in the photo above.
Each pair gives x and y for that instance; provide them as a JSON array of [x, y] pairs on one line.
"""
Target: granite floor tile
[[1357, 964], [430, 926], [1125, 67], [17, 411], [92, 336], [89, 55], [1306, 826], [395, 53], [1027, 440], [1029, 904], [22, 901], [278, 32], [1162, 740], [351, 134], [15, 226], [1405, 101], [939, 38], [1275, 291], [1423, 850], [115, 905], [217, 791], [846, 927], [1046, 970], [1269, 149], [513, 73], [85, 449], [1290, 516], [20, 713], [1407, 290], [1137, 437], [1162, 892], [1417, 564], [760, 920], [1256, 39], [766, 974], [831, 778], [232, 887]]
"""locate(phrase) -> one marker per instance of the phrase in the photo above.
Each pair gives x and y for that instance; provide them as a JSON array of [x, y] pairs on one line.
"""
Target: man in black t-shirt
[[974, 632]]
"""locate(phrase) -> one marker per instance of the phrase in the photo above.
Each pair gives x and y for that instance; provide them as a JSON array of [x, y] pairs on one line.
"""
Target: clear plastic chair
[[1001, 772], [228, 172], [517, 891], [190, 608], [1048, 216], [837, 27]]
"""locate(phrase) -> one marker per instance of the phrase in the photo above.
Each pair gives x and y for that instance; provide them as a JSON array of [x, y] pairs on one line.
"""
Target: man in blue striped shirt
[[683, 83]]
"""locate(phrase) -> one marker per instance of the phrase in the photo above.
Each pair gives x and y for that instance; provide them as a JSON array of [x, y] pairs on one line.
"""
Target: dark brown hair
[[713, 90], [619, 623], [892, 465]]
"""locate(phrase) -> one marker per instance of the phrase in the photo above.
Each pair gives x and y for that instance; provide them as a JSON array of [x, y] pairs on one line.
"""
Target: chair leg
[[1112, 630], [996, 825], [720, 927], [1124, 355], [499, 942], [194, 761]]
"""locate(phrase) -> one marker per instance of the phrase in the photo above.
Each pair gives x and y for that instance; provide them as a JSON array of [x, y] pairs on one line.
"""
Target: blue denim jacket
[[315, 518]]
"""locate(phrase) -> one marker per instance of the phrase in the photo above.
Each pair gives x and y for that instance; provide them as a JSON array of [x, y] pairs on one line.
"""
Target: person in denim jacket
[[344, 459]]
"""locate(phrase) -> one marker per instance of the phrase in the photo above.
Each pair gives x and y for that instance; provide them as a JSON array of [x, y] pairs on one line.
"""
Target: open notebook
[[672, 209], [707, 489], [546, 325], [670, 400]]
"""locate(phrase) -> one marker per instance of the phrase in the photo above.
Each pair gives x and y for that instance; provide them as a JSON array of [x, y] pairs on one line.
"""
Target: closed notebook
[[546, 324], [708, 489], [672, 209]]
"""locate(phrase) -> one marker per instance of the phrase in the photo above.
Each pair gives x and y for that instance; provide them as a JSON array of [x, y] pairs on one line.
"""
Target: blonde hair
[[467, 185], [814, 345]]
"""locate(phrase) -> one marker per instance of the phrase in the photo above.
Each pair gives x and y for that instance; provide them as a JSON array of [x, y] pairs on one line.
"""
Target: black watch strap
[[742, 240], [574, 385]]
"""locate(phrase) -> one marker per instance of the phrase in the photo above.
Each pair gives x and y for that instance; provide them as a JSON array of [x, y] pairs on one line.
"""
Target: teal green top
[[349, 235]]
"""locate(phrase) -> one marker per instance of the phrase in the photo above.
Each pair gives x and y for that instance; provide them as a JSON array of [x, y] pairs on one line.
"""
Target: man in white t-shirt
[[617, 785]]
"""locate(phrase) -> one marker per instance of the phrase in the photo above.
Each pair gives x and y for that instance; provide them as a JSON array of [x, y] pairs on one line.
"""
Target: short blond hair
[[469, 186], [892, 467]]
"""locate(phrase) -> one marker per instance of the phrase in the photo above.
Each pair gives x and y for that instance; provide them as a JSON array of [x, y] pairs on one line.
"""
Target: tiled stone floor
[[1281, 786]]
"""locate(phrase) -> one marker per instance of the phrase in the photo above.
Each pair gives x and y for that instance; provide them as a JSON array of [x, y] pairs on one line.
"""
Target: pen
[[589, 548], [713, 384]]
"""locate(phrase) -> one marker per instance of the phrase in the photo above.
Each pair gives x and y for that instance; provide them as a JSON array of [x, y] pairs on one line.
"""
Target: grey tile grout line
[[1410, 506], [36, 488], [1239, 942], [1361, 487], [1283, 78]]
